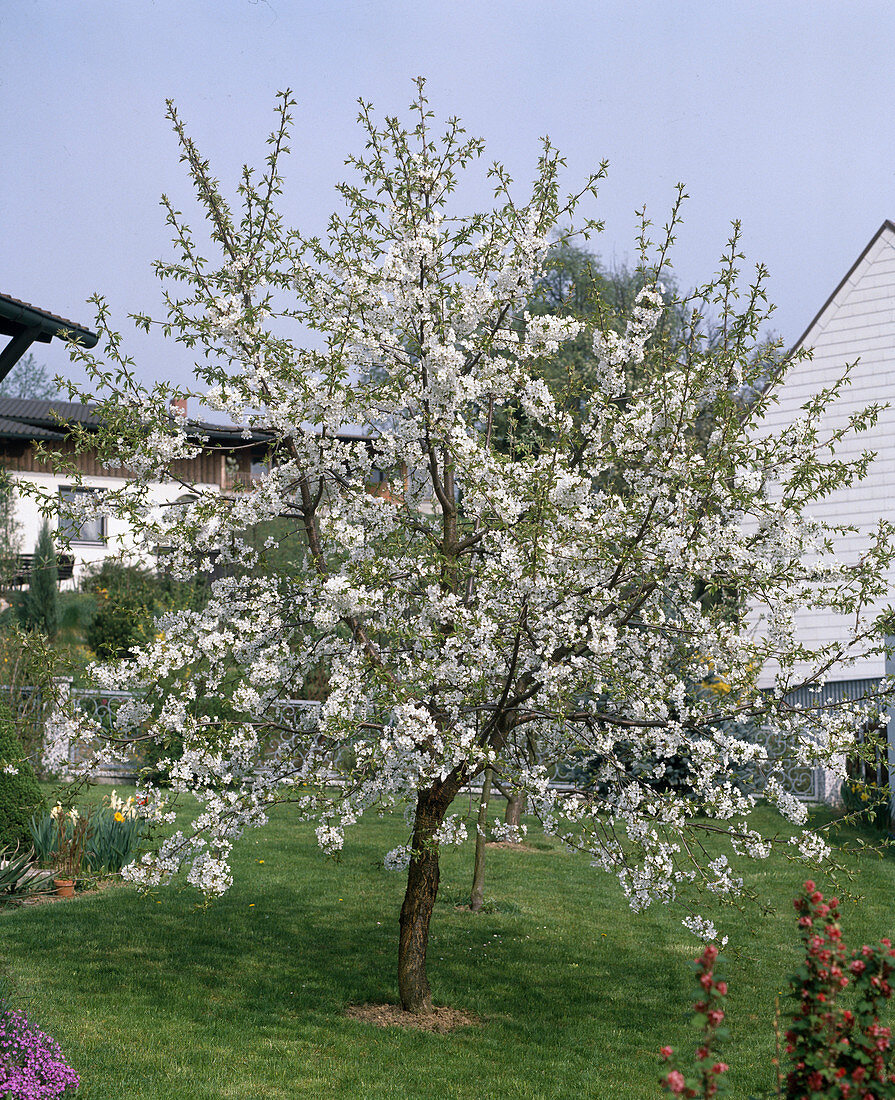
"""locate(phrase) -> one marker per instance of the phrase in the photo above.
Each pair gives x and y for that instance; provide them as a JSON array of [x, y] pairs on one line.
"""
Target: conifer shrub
[[20, 796], [38, 607]]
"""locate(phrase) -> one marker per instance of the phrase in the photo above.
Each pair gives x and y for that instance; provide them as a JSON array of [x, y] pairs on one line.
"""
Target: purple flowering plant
[[32, 1066]]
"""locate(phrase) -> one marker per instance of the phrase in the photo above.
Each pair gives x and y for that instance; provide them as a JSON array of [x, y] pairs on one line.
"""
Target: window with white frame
[[74, 527]]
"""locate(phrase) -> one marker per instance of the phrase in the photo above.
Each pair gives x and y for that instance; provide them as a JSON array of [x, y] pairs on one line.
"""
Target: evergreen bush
[[20, 796], [38, 608], [127, 599]]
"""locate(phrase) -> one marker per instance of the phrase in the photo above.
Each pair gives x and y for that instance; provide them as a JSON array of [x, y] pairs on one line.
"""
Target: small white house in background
[[856, 323], [225, 462]]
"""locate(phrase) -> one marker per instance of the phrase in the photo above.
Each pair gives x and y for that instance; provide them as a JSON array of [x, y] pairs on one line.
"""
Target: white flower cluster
[[703, 928], [788, 805], [749, 842], [506, 833], [330, 838], [614, 352], [397, 859], [451, 831], [723, 881], [812, 847], [160, 448], [65, 734]]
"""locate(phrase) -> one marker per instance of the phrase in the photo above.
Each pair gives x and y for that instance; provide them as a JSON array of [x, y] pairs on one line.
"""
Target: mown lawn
[[158, 998]]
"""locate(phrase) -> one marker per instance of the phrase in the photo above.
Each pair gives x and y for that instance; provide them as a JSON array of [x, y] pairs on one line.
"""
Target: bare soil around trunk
[[437, 1019]]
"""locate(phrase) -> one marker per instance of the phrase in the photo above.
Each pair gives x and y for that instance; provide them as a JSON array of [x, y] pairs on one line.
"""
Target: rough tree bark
[[419, 899], [515, 809]]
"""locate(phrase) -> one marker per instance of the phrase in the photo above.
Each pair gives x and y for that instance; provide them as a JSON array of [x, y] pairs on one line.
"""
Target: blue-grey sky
[[776, 112]]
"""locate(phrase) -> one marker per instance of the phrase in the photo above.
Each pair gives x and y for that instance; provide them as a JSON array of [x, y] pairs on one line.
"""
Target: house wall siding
[[118, 541], [208, 468], [858, 324]]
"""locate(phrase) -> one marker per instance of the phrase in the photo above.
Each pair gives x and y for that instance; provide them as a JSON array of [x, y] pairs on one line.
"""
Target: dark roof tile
[[47, 413], [15, 428]]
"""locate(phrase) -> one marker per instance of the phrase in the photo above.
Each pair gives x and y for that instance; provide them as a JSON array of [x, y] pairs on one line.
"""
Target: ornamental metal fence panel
[[102, 707], [803, 782], [809, 784], [27, 705], [295, 716]]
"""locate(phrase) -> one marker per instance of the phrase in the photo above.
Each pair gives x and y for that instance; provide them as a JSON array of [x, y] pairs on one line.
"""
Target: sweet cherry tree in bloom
[[490, 596]]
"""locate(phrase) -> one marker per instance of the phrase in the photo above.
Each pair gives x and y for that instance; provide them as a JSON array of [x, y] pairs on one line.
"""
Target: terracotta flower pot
[[65, 887]]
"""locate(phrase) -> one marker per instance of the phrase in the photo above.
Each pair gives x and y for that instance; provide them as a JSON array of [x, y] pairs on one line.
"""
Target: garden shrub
[[126, 601], [865, 797], [629, 766], [865, 790], [20, 796], [705, 1078], [114, 630], [836, 1053]]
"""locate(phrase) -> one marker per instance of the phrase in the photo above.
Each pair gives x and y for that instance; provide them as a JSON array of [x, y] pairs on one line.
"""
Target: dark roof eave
[[49, 324]]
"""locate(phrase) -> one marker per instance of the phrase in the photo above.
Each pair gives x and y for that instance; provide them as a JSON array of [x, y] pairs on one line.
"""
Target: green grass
[[157, 998]]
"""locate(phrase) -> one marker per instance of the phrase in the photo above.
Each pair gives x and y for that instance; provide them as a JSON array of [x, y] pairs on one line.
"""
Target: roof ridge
[[887, 224]]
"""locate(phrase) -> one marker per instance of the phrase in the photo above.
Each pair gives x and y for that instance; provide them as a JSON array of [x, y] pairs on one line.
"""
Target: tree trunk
[[416, 912], [515, 809], [477, 897]]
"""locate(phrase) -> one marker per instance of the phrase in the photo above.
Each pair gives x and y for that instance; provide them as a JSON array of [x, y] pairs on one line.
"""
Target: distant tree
[[577, 284], [38, 608], [29, 379]]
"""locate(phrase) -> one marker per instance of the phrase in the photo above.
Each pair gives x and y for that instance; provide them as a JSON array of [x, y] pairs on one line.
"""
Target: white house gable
[[855, 326]]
